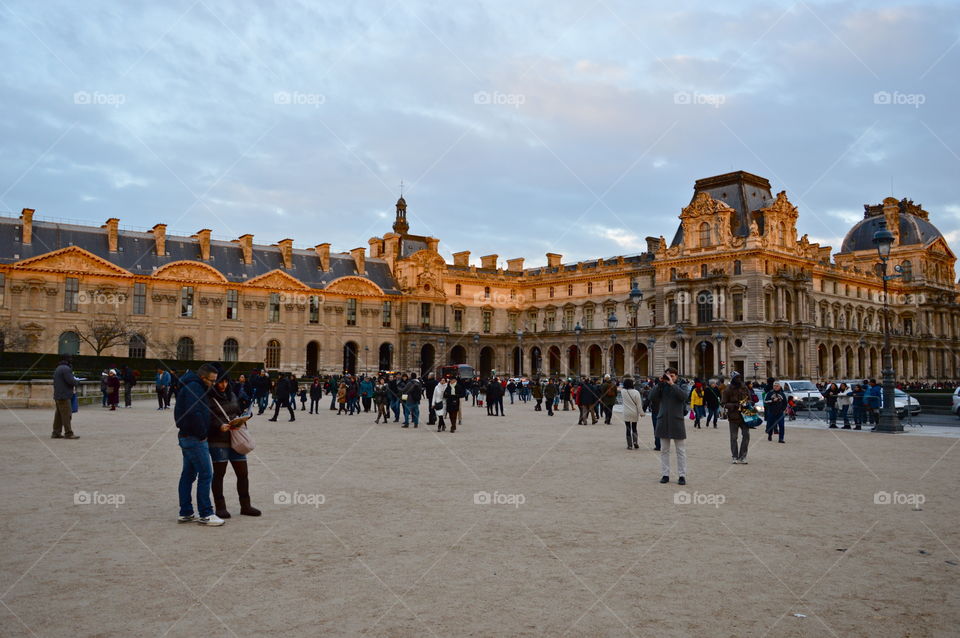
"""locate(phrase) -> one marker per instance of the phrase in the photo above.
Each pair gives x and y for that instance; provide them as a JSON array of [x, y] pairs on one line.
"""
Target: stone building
[[734, 289]]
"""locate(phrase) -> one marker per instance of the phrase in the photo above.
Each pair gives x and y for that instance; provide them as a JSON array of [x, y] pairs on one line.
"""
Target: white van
[[805, 393]]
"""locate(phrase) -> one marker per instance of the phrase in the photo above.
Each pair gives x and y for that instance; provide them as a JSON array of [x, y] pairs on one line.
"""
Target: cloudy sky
[[519, 128]]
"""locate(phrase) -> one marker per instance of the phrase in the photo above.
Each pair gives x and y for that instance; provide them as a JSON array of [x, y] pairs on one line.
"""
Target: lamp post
[[703, 358], [520, 353], [888, 422], [650, 343], [680, 335], [476, 346], [578, 330], [770, 355], [612, 325], [636, 296], [722, 363]]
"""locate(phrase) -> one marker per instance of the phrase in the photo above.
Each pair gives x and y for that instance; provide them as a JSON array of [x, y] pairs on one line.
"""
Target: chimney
[[359, 260], [375, 245], [246, 245], [489, 261], [26, 217], [160, 237], [286, 253], [653, 243], [461, 258], [203, 238], [553, 260], [112, 225], [515, 265], [323, 252], [432, 243]]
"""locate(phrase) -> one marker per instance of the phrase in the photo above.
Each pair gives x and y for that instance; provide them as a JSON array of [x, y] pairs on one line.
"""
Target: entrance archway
[[536, 361], [458, 354], [704, 355], [595, 356], [313, 358], [385, 358], [486, 361], [573, 361], [350, 350], [553, 360], [427, 358]]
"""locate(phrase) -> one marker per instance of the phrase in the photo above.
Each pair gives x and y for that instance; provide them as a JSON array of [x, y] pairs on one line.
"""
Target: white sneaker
[[212, 521], [735, 461], [187, 519]]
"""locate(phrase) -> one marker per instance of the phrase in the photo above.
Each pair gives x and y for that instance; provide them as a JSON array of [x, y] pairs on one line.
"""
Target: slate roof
[[913, 230], [742, 191]]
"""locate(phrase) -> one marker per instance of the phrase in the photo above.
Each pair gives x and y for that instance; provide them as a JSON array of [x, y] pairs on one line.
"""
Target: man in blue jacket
[[162, 385], [873, 399], [192, 414]]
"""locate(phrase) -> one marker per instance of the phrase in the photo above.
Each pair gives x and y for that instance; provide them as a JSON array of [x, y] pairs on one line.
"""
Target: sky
[[517, 128]]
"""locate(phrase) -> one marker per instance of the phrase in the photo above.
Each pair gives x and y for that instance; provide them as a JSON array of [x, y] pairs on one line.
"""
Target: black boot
[[243, 489], [216, 486]]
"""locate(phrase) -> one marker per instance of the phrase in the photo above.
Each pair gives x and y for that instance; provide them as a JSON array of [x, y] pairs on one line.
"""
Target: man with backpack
[[608, 396]]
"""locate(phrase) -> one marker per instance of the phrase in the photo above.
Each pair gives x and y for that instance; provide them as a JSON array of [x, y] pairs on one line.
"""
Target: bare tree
[[101, 334], [12, 338]]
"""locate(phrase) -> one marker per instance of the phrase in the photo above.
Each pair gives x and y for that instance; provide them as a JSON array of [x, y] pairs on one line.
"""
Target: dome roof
[[915, 228]]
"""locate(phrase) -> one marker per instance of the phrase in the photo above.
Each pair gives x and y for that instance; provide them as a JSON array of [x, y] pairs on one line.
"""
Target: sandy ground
[[584, 541]]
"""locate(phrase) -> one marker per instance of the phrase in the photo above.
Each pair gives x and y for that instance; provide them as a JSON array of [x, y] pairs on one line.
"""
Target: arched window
[[68, 343], [137, 347], [273, 354], [231, 350], [705, 238], [185, 349]]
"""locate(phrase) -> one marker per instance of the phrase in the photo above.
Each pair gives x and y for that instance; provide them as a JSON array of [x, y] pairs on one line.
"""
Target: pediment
[[72, 259], [354, 286], [190, 271], [277, 279], [939, 246], [428, 259]]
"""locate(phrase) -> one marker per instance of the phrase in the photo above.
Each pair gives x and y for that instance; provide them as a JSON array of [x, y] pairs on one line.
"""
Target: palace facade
[[735, 289]]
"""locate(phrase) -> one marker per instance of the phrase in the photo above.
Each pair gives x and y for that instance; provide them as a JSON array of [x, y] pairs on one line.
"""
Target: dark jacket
[[192, 412], [774, 405], [731, 399], [494, 390], [231, 407], [672, 402], [588, 393], [63, 382], [606, 398], [711, 397], [550, 391], [316, 391], [452, 398], [413, 390]]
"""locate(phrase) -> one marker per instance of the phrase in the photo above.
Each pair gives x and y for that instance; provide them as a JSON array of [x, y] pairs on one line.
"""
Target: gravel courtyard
[[373, 530]]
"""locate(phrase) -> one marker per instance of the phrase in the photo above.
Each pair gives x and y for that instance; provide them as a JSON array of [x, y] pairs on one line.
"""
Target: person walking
[[671, 430], [607, 398], [284, 383], [393, 391], [566, 390], [452, 397], [192, 416], [113, 389], [381, 401], [511, 388], [440, 403], [162, 387], [696, 403], [536, 391], [588, 399], [224, 411], [774, 409], [632, 411], [413, 391], [342, 398], [550, 394], [64, 387], [732, 399], [711, 401]]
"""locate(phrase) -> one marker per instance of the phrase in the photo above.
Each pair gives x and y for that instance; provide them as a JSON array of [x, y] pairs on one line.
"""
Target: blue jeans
[[845, 414], [713, 413], [832, 414], [395, 407], [776, 425], [413, 410], [198, 467], [262, 401]]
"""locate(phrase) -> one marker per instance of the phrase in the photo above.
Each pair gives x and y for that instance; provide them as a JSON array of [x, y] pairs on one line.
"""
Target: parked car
[[805, 393], [956, 402], [906, 404]]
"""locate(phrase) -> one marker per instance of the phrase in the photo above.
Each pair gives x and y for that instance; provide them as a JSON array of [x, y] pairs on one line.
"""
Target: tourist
[[588, 400], [733, 398], [696, 403], [429, 385], [366, 393], [774, 407], [412, 392], [511, 388], [566, 390], [440, 403], [381, 401], [452, 396], [316, 393], [104, 390], [873, 400], [393, 391], [632, 411], [162, 388], [843, 404], [495, 397], [342, 398], [830, 398], [672, 402], [64, 387], [653, 407], [857, 405], [282, 394], [536, 391], [113, 389], [303, 398], [225, 411], [711, 401], [550, 392], [192, 416], [608, 397]]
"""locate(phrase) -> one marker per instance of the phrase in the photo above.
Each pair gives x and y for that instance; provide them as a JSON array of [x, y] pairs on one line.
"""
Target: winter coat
[[63, 382], [731, 399], [451, 398], [438, 399], [673, 410], [608, 393], [230, 406], [192, 412], [632, 405]]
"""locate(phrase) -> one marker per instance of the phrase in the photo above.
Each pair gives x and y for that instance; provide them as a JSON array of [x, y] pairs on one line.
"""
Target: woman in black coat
[[774, 408]]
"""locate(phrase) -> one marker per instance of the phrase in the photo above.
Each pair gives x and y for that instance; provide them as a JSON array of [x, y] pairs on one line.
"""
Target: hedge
[[26, 365]]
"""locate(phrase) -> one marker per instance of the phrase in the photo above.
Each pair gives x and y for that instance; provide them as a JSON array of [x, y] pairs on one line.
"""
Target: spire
[[400, 225]]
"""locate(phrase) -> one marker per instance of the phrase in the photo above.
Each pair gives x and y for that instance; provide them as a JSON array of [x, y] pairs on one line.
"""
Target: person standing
[[192, 416], [672, 401], [843, 403], [381, 401], [511, 388], [830, 398], [393, 391], [872, 401], [632, 410], [162, 387], [732, 399], [608, 396], [224, 408], [494, 397], [550, 394], [342, 398], [856, 403], [282, 394], [64, 387], [451, 397], [440, 403], [113, 389], [413, 391], [774, 408], [429, 385], [653, 408], [711, 400], [366, 393], [565, 392], [696, 403], [316, 393], [588, 399], [129, 380]]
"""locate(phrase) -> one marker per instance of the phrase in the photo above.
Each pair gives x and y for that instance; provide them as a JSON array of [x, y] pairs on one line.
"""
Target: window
[[906, 269], [609, 285], [137, 348], [186, 302], [768, 307], [737, 267], [588, 318], [672, 311], [232, 299], [486, 292], [704, 306], [68, 343], [351, 312], [533, 294], [738, 306], [314, 309], [782, 234], [425, 312], [512, 323], [457, 320], [569, 290], [185, 349], [273, 310], [551, 292], [568, 319], [3, 287], [71, 294], [273, 354], [487, 320], [908, 326], [550, 321], [703, 270], [589, 287], [673, 274], [705, 240], [139, 299], [231, 350], [457, 290], [387, 313]]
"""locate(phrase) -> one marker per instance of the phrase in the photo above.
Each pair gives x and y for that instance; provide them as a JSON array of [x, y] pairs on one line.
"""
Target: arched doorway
[[822, 362], [385, 357], [617, 352], [553, 360], [536, 361], [848, 361], [573, 361], [486, 361], [231, 350], [273, 355], [704, 355], [313, 358], [458, 355], [595, 357], [428, 355], [641, 363], [791, 361], [517, 362], [350, 350], [835, 371], [68, 343]]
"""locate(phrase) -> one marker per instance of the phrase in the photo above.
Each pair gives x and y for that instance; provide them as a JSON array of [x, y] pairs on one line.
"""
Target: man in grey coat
[[64, 384], [670, 424]]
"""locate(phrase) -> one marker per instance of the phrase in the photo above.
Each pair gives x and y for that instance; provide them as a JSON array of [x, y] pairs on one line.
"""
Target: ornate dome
[[915, 227]]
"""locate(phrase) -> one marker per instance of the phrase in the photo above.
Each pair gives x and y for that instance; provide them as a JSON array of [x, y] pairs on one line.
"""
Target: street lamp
[[578, 330], [680, 336], [650, 343], [612, 325], [888, 422], [520, 353], [636, 296], [703, 357], [719, 339]]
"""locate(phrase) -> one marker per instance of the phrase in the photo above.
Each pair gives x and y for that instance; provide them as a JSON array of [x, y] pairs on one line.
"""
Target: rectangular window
[[551, 292], [737, 267], [486, 292], [487, 320], [569, 290], [737, 306], [71, 292], [314, 308], [588, 318], [551, 321], [532, 321], [568, 319], [457, 320], [768, 307], [139, 299], [351, 312], [233, 298], [186, 301], [589, 287], [672, 312], [609, 285], [273, 314], [387, 314], [533, 294], [425, 314], [512, 323]]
